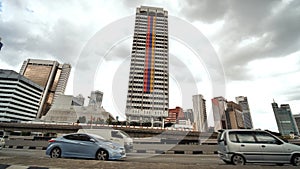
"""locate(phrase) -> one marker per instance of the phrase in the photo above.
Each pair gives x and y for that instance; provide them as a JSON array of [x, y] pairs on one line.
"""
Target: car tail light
[[51, 141]]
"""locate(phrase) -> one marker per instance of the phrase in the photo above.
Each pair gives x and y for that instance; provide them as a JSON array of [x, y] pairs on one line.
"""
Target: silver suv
[[254, 146]]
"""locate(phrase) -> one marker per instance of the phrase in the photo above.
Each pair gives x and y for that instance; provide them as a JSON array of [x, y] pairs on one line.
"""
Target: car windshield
[[97, 137], [124, 134]]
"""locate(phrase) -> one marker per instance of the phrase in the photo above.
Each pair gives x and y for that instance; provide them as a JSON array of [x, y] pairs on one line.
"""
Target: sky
[[223, 48]]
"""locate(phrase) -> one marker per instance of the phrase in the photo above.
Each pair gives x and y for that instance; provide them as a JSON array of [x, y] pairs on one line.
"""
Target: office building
[[148, 86], [96, 98], [19, 97], [175, 115], [234, 116], [51, 75], [189, 115], [200, 115], [219, 105], [285, 121], [243, 102], [297, 120]]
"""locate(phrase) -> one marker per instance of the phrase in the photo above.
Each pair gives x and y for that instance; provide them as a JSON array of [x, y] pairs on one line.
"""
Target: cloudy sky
[[229, 48]]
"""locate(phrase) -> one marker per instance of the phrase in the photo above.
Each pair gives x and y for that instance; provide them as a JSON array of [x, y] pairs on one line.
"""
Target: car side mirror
[[92, 140]]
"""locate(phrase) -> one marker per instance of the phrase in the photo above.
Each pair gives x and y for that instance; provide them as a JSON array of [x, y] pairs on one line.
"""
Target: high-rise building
[[200, 116], [148, 86], [243, 102], [19, 97], [297, 120], [219, 105], [285, 122], [234, 116], [51, 75], [96, 98]]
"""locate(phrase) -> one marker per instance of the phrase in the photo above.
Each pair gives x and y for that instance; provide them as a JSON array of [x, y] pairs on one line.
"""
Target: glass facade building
[[148, 86], [285, 121], [243, 102]]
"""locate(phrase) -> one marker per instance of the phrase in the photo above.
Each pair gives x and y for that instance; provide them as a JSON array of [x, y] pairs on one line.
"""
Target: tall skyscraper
[[200, 116], [243, 102], [51, 75], [219, 105], [148, 86], [19, 97], [284, 118]]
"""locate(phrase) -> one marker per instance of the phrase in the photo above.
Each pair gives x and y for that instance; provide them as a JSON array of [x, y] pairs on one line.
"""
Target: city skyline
[[260, 57]]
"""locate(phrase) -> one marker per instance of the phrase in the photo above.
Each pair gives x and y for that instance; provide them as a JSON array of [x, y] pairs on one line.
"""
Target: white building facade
[[19, 97], [148, 86]]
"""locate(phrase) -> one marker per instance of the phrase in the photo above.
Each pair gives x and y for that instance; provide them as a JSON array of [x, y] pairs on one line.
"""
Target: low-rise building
[[66, 109]]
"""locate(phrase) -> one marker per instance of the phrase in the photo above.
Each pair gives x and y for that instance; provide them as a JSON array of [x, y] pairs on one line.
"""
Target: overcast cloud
[[256, 41]]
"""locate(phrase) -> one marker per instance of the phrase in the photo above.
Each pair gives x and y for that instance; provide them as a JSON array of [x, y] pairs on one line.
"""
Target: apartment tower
[[148, 86]]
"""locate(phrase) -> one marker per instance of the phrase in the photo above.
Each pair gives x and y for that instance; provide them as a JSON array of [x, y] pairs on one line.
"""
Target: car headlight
[[112, 146]]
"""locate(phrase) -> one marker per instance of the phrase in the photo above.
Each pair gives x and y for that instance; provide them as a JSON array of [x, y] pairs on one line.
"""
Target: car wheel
[[238, 160], [102, 155], [55, 153], [296, 160]]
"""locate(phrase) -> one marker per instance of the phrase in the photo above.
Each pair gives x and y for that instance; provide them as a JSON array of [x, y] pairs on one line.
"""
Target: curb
[[25, 147], [197, 152]]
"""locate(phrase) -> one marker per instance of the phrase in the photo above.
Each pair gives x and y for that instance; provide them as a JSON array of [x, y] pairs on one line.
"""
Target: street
[[23, 158]]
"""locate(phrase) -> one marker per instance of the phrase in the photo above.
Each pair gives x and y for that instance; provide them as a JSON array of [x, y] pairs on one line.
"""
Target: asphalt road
[[23, 158]]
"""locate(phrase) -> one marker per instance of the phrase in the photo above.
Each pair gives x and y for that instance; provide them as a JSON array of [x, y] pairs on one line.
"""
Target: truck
[[116, 136]]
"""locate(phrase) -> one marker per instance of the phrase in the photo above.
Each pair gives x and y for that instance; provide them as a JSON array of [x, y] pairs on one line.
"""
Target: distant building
[[234, 116], [189, 115], [80, 100], [51, 75], [66, 109], [297, 120], [200, 115], [148, 86], [19, 97], [96, 98], [219, 105], [285, 122], [243, 102], [175, 115]]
